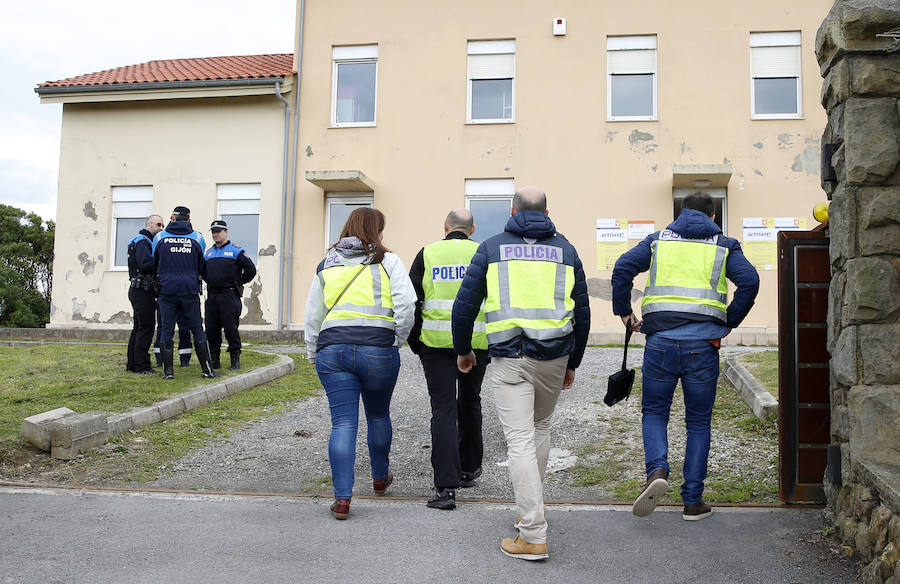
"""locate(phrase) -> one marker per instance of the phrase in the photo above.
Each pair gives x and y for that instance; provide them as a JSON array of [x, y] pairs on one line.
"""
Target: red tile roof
[[174, 70]]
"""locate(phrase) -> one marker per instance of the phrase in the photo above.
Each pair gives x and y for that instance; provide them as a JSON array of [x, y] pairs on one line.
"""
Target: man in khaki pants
[[537, 320]]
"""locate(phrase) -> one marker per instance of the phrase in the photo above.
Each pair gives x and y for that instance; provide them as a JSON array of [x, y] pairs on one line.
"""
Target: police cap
[[218, 225], [181, 210]]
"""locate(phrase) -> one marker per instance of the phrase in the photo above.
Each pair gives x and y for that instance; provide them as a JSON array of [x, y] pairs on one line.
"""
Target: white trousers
[[525, 393]]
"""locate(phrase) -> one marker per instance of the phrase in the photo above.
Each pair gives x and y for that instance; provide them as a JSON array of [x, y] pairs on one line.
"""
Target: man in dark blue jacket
[[142, 290], [178, 255], [228, 268], [520, 274], [685, 315]]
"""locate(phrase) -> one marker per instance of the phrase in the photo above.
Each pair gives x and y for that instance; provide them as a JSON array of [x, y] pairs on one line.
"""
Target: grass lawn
[[86, 378], [764, 367]]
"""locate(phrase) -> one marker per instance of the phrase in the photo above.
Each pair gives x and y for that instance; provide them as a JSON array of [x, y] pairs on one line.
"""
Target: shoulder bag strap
[[628, 332], [355, 276]]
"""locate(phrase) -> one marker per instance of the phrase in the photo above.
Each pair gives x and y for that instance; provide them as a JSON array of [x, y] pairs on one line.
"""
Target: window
[[631, 78], [719, 200], [775, 75], [239, 208], [491, 91], [338, 207], [489, 201], [353, 85], [130, 208]]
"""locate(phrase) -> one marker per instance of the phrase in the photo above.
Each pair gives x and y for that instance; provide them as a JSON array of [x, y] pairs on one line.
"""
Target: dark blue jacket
[[695, 225], [535, 226], [178, 255], [140, 255], [227, 267]]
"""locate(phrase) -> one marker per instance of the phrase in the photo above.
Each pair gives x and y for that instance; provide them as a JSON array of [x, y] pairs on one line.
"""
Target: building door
[[804, 418]]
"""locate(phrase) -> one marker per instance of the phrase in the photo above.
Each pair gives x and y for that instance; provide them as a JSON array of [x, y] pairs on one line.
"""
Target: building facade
[[617, 110]]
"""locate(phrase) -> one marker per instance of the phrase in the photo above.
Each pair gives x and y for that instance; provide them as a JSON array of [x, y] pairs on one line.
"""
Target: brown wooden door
[[804, 416]]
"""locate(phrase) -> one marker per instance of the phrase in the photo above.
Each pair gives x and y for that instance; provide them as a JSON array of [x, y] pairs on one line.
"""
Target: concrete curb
[[760, 401], [67, 433]]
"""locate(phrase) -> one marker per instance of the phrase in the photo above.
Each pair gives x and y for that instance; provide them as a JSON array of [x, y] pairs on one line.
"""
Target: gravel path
[[287, 453]]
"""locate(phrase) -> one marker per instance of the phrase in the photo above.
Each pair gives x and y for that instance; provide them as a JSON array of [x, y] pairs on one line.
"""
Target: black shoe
[[185, 360], [467, 479], [167, 358], [150, 371], [202, 350], [442, 499], [235, 361]]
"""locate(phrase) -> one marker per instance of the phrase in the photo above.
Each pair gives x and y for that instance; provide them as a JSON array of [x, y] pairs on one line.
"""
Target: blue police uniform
[[142, 295], [228, 268], [178, 256]]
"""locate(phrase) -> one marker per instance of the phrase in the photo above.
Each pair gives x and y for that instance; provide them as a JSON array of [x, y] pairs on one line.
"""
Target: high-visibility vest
[[687, 275], [446, 262], [529, 292], [367, 302]]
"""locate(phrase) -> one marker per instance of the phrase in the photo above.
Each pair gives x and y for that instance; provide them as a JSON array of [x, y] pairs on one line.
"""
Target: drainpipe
[[290, 232], [284, 189]]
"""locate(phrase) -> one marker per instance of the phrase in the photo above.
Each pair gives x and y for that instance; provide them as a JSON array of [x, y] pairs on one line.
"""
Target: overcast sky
[[55, 39]]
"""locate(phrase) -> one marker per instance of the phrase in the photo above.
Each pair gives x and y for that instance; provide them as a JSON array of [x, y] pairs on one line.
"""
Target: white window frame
[[717, 194], [494, 47], [342, 199], [240, 199], [489, 189], [128, 202], [352, 54], [633, 44], [760, 41]]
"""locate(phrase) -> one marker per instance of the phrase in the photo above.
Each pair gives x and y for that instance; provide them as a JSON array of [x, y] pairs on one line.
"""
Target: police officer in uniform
[[456, 441], [228, 268], [142, 291], [178, 255], [537, 320]]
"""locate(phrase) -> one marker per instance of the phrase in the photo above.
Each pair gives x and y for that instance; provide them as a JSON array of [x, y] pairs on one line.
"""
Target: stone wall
[[861, 174]]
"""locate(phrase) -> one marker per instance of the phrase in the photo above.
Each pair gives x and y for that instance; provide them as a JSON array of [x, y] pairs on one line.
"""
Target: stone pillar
[[861, 144]]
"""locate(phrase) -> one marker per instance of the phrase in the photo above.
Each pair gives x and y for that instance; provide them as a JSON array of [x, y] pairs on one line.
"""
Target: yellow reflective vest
[[529, 292], [687, 275], [445, 264], [367, 302]]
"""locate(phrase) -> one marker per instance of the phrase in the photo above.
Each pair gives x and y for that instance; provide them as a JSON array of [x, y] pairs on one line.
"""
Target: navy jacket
[[178, 255], [695, 225], [227, 267], [140, 255], [535, 226]]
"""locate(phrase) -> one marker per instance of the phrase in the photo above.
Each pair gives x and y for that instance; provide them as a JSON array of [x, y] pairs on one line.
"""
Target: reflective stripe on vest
[[530, 294], [446, 262], [687, 275], [367, 302]]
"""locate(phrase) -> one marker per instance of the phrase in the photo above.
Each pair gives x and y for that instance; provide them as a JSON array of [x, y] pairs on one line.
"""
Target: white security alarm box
[[559, 26]]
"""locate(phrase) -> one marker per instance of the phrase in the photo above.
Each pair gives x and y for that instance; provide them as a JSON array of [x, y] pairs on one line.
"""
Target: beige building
[[616, 110]]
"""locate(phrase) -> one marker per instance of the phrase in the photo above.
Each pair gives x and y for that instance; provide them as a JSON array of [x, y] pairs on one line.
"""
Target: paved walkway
[[98, 537]]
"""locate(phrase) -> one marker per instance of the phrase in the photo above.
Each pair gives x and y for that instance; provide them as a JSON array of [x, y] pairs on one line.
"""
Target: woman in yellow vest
[[359, 311]]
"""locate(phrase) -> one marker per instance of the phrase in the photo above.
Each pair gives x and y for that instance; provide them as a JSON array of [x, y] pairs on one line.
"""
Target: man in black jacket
[[228, 268], [142, 292], [534, 349]]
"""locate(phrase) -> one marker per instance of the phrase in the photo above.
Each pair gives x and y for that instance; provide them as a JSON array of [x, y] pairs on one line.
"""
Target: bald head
[[529, 198], [459, 220]]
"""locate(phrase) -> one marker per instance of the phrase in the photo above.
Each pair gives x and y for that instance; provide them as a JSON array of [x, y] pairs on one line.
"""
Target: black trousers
[[184, 333], [223, 310], [456, 443], [183, 309], [143, 304]]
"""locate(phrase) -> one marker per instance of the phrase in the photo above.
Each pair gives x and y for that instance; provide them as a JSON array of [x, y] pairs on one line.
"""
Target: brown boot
[[519, 548], [340, 508], [696, 511], [656, 487]]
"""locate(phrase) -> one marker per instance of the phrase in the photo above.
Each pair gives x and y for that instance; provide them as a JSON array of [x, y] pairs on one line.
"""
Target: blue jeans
[[696, 363], [348, 372]]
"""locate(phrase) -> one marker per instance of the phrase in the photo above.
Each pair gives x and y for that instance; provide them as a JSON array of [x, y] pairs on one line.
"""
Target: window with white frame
[[130, 208], [489, 201], [338, 207], [491, 88], [775, 90], [720, 203], [238, 206], [353, 87], [631, 78]]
